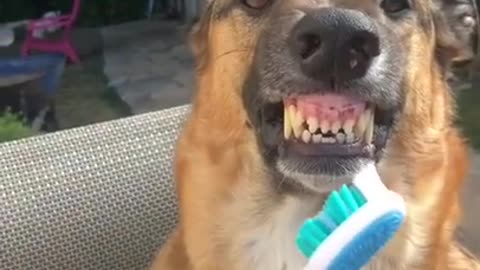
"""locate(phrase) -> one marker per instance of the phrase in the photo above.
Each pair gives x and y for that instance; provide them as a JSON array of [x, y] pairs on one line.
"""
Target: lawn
[[469, 113], [85, 98]]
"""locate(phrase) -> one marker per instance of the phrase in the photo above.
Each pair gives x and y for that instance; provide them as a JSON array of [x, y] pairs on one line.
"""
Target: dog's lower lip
[[357, 149]]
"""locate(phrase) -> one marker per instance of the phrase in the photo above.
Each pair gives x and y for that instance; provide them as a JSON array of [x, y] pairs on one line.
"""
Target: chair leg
[[71, 53], [25, 49]]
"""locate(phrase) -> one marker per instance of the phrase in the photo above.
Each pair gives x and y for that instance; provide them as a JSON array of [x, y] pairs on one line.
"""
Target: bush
[[11, 128], [92, 13]]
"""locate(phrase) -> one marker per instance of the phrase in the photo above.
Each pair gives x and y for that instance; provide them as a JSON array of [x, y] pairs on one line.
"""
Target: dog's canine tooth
[[300, 118], [296, 121], [297, 131], [292, 113], [362, 123], [369, 129], [340, 137], [306, 136], [312, 124], [317, 138], [348, 126], [336, 125], [287, 126], [324, 126]]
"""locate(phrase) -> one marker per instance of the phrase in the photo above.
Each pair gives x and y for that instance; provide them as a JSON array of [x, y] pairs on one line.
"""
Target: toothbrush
[[355, 223]]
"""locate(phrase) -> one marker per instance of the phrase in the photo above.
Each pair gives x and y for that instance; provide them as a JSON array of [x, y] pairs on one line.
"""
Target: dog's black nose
[[333, 43]]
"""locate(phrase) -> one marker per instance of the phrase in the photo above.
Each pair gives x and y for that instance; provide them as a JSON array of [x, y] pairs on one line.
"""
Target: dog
[[293, 98]]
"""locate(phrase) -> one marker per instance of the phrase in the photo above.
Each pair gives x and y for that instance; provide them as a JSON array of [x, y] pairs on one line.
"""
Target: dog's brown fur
[[231, 218]]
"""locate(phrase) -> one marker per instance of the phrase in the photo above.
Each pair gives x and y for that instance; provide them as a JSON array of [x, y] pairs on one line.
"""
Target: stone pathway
[[148, 64]]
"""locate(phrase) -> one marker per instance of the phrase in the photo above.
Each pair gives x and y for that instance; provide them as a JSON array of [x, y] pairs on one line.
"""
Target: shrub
[[12, 128]]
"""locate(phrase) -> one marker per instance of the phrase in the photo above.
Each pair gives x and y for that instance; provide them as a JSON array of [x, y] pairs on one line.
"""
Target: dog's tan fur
[[231, 218]]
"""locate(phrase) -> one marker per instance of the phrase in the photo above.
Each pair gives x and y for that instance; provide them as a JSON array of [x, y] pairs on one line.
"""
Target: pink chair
[[62, 45]]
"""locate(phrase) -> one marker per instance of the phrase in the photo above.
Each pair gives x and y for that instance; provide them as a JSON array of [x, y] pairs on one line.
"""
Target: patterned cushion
[[98, 197]]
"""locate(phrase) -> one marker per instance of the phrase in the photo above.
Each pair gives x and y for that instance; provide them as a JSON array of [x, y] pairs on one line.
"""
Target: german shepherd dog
[[293, 98]]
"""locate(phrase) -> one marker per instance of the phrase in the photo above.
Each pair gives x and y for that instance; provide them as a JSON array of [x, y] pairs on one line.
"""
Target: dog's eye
[[256, 4], [395, 6]]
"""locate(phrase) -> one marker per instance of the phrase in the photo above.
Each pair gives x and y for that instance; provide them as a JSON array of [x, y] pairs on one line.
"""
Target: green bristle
[[321, 226], [342, 208], [348, 198], [305, 247], [310, 237], [317, 231], [332, 206], [337, 208], [358, 196]]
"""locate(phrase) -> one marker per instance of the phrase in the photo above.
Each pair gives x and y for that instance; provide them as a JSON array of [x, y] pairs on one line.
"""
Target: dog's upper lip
[[329, 107]]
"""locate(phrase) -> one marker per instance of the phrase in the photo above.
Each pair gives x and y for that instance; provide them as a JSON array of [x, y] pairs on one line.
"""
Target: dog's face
[[329, 85]]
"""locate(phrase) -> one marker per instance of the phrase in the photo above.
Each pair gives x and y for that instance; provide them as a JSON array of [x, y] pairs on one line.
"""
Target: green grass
[[12, 128], [84, 97], [469, 114]]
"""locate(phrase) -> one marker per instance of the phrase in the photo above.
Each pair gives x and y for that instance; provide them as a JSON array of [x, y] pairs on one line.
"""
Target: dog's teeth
[[306, 136], [297, 131], [312, 124], [324, 126], [328, 140], [292, 113], [287, 126], [317, 138], [300, 118], [350, 138], [336, 125], [369, 130], [296, 120], [340, 137], [331, 140], [348, 126], [362, 123]]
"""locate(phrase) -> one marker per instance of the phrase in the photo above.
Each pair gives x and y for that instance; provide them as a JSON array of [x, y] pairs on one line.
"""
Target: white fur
[[275, 246]]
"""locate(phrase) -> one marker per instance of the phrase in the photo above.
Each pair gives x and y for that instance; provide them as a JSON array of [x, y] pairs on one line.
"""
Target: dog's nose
[[334, 43]]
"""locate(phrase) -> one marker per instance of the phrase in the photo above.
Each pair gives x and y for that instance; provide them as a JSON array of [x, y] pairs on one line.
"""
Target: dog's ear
[[457, 26]]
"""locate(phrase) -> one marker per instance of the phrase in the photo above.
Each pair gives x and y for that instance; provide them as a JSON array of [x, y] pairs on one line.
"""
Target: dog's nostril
[[365, 45], [361, 49], [308, 44]]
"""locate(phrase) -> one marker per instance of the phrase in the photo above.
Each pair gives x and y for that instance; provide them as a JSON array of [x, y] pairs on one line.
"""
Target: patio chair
[[63, 44], [99, 197]]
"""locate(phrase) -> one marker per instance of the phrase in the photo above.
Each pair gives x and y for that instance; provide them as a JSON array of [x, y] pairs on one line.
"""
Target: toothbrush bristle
[[348, 198], [338, 207]]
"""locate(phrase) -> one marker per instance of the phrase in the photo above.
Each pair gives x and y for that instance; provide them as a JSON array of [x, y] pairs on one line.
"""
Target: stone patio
[[153, 69]]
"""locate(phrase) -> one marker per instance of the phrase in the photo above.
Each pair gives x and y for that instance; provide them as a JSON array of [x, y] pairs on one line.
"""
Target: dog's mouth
[[333, 125], [326, 134]]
